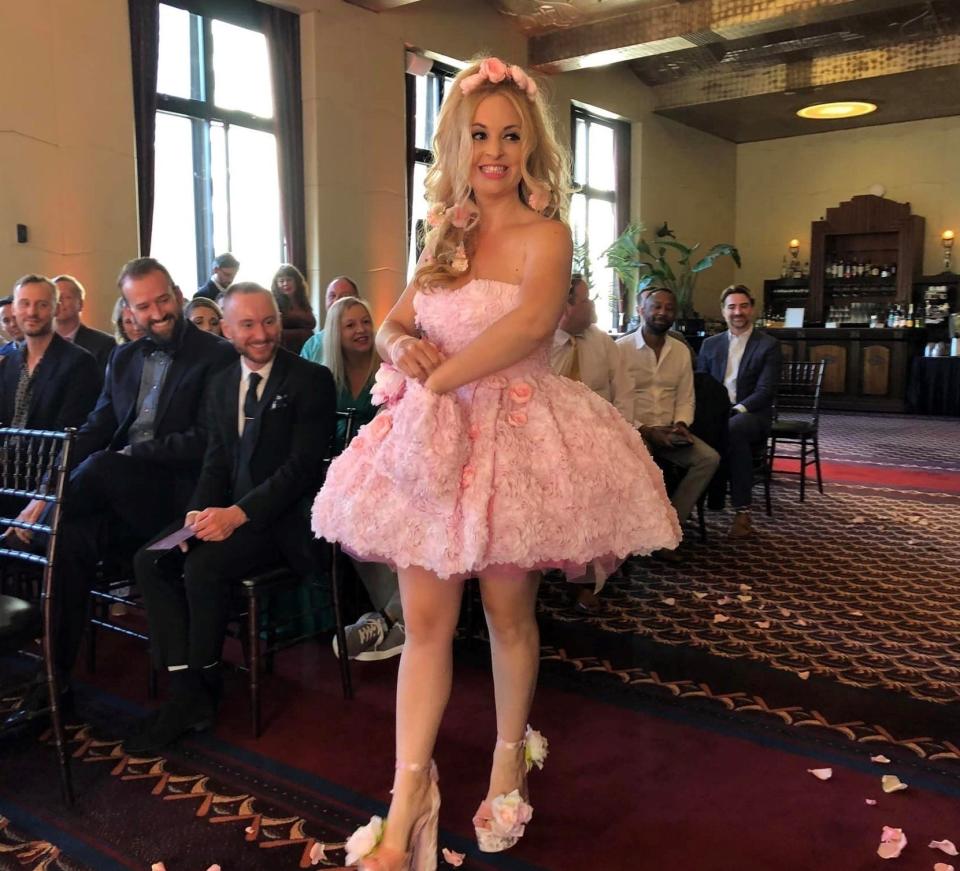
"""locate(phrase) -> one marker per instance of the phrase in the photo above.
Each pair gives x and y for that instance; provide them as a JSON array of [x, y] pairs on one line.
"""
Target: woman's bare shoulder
[[547, 231]]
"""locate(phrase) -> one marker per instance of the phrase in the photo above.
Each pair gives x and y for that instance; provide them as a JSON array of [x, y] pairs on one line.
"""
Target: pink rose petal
[[452, 857], [700, 595], [892, 783], [892, 842], [880, 759], [785, 612], [763, 624], [801, 621], [214, 868], [942, 866], [669, 601], [803, 675], [720, 618], [821, 773], [318, 853], [870, 801], [947, 847], [743, 598], [158, 866], [724, 600], [745, 588]]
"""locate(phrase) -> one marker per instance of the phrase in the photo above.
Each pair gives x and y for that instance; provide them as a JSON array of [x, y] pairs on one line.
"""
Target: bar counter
[[867, 369]]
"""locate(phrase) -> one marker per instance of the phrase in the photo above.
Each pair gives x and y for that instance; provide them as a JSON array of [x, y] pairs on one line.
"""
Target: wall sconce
[[946, 239], [794, 248]]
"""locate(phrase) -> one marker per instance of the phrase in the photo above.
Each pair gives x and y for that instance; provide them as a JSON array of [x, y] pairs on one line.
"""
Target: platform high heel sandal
[[364, 847], [500, 822]]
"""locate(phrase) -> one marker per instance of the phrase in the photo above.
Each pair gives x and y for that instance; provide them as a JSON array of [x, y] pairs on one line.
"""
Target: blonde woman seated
[[125, 328], [350, 356], [205, 314]]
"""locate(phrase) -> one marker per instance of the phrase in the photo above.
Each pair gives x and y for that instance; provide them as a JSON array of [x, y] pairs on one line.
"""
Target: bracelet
[[392, 348]]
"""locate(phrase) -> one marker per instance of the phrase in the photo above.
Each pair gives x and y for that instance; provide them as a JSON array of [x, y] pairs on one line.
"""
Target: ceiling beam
[[380, 5], [803, 76], [672, 26]]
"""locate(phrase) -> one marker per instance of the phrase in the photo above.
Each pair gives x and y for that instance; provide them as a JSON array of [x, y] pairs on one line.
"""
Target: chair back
[[798, 392]]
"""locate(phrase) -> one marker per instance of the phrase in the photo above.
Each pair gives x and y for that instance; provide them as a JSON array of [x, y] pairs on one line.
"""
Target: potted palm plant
[[641, 264]]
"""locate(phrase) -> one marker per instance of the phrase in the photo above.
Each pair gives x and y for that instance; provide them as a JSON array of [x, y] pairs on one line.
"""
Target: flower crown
[[494, 70]]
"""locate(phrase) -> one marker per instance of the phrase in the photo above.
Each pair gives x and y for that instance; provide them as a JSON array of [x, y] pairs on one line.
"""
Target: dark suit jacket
[[294, 428], [209, 290], [759, 371], [179, 439], [97, 343], [65, 387]]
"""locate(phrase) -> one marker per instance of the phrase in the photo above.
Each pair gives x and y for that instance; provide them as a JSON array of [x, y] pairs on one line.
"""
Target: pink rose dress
[[519, 471]]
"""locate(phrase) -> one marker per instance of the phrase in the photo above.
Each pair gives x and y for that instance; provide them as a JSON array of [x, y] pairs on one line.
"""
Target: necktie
[[250, 402], [574, 373], [244, 481]]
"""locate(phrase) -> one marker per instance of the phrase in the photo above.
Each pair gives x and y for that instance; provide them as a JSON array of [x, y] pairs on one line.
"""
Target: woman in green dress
[[350, 355]]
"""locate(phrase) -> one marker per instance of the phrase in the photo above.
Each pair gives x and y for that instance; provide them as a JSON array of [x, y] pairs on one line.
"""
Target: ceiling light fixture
[[838, 110]]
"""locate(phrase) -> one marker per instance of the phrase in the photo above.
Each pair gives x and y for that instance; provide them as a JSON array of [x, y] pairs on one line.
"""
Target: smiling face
[[206, 319], [71, 302], [659, 311], [35, 304], [579, 311], [156, 304], [252, 324], [8, 321], [738, 312], [497, 146], [356, 330], [286, 284]]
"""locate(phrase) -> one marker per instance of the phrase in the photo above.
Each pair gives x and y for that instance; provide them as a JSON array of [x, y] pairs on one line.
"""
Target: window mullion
[[226, 141]]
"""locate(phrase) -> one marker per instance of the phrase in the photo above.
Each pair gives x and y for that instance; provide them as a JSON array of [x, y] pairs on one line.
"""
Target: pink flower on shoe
[[509, 815], [364, 840], [517, 418], [520, 392], [380, 426], [493, 69], [388, 385]]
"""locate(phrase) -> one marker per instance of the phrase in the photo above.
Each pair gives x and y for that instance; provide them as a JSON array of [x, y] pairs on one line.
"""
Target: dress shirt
[[245, 371], [155, 369], [663, 388], [602, 367], [738, 345], [71, 337]]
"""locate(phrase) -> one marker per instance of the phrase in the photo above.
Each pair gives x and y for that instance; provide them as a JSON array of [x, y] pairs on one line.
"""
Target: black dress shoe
[[35, 705], [178, 717]]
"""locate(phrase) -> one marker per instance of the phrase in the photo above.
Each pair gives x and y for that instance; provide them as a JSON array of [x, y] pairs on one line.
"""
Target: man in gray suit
[[747, 363]]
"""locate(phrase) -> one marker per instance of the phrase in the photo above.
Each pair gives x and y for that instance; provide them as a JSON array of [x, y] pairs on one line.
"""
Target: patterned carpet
[[891, 440], [847, 603]]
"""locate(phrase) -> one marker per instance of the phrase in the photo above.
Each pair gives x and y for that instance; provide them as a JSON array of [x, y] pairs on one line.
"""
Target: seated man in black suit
[[137, 456], [747, 363], [269, 418], [223, 272], [72, 296], [46, 383]]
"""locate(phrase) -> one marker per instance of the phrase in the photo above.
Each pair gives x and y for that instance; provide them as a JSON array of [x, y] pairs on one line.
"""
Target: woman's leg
[[431, 608], [510, 608]]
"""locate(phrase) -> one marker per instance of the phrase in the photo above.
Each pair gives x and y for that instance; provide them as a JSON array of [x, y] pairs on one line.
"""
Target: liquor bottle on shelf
[[884, 271], [909, 321], [893, 269], [874, 270], [805, 272], [784, 269]]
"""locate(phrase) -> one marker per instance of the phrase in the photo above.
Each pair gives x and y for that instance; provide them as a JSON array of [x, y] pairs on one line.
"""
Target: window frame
[[204, 109], [620, 194], [415, 155]]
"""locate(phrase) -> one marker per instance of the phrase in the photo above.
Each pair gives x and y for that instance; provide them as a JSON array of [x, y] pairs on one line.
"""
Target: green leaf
[[713, 254], [684, 250]]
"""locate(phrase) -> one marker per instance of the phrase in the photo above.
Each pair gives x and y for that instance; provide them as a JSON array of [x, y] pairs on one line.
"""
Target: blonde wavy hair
[[333, 347], [545, 170]]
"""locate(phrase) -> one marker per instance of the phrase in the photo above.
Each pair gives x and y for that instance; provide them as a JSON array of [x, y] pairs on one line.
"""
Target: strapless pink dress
[[519, 471]]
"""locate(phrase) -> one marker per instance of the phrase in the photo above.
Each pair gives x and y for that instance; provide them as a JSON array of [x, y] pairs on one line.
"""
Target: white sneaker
[[363, 636]]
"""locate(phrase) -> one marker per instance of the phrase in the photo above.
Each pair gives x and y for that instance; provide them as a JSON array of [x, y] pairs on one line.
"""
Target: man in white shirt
[[747, 362], [663, 398], [584, 352]]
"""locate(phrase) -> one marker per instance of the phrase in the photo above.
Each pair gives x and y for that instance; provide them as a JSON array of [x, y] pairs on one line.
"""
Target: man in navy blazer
[[747, 363], [270, 419], [64, 379], [139, 452]]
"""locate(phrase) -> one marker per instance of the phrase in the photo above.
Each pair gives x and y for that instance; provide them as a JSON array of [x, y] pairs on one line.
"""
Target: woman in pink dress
[[483, 462]]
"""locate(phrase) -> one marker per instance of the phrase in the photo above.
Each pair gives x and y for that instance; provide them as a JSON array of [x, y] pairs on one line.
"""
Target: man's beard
[[657, 329], [165, 341]]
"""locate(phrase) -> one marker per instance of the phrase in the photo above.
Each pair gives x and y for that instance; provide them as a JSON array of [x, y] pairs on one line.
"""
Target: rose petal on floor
[[942, 866], [724, 600], [745, 588], [785, 612], [946, 846], [452, 857], [744, 598], [158, 866], [763, 624], [318, 853], [892, 783], [801, 621], [892, 842], [803, 675], [700, 595], [669, 601], [720, 618], [821, 773], [880, 758], [870, 801]]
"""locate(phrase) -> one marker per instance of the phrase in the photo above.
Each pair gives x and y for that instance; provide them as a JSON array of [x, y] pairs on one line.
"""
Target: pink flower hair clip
[[494, 70]]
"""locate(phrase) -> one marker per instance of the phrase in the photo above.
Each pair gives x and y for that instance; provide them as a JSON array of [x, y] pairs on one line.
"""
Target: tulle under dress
[[519, 471]]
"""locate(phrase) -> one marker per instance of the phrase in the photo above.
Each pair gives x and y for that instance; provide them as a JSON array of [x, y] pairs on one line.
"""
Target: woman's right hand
[[416, 358]]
